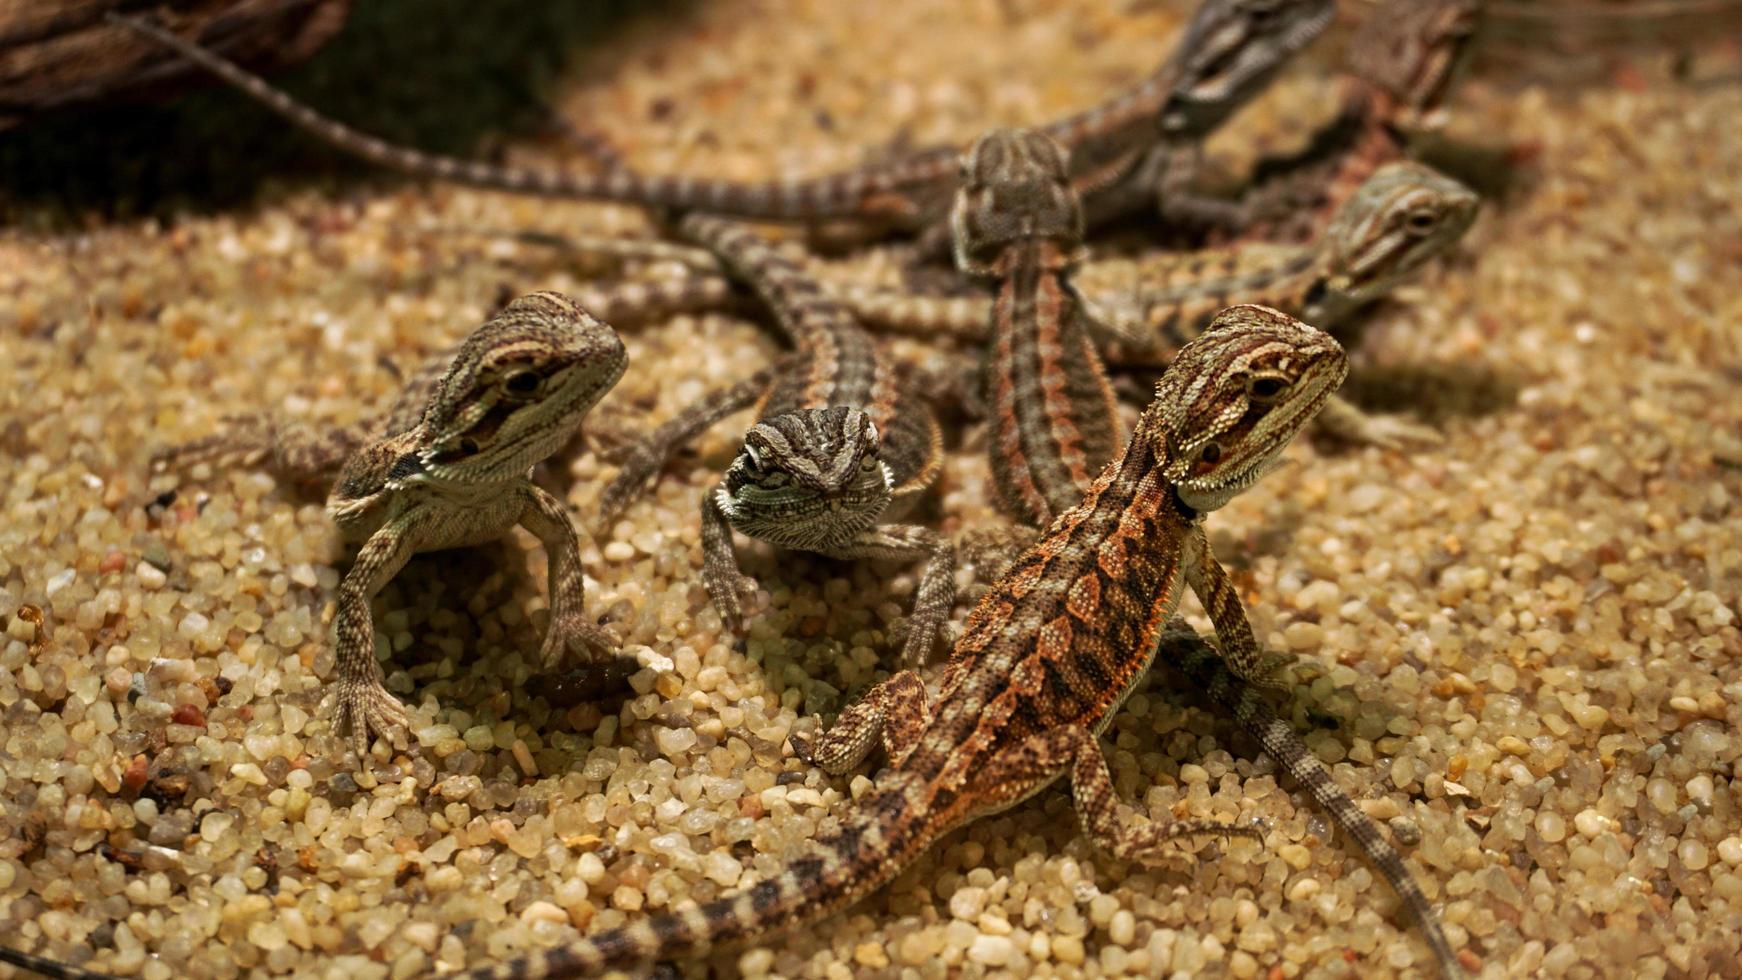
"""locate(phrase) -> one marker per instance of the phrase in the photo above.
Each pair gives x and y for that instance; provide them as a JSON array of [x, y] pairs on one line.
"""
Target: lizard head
[[1402, 216], [1230, 51], [1410, 49], [516, 390], [1234, 397], [808, 465], [1015, 186]]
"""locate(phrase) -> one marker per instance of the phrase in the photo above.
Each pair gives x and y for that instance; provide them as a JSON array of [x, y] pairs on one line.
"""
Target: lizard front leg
[[1240, 648], [892, 715], [1342, 419], [570, 635], [362, 704], [937, 580], [1074, 750], [643, 459], [991, 550], [720, 574]]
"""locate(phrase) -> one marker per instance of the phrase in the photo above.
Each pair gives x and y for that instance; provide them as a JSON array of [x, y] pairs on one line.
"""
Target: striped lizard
[[1055, 421], [1401, 217], [1404, 215], [1046, 659], [446, 467], [843, 444], [1400, 63], [1229, 51]]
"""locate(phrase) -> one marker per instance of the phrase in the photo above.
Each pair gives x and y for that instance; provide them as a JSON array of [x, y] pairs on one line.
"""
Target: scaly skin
[[842, 445], [1055, 421], [1401, 217], [1400, 64], [1404, 215], [447, 467], [1048, 656], [1230, 50]]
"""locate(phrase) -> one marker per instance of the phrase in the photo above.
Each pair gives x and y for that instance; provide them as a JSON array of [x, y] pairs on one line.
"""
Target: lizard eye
[[469, 447], [523, 382], [1261, 12], [1211, 453], [1264, 389], [751, 459], [1420, 222]]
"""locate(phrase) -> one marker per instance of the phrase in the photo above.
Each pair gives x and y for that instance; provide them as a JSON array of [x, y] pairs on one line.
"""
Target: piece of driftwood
[[55, 53]]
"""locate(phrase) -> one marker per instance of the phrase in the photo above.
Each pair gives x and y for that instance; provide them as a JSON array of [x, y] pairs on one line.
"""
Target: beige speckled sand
[[1528, 661]]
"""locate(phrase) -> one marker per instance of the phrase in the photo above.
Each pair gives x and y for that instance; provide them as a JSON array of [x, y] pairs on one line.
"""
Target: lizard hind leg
[[892, 714], [1074, 750], [1341, 419], [293, 450]]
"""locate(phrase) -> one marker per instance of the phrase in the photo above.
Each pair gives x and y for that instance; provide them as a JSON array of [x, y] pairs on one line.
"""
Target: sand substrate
[[1520, 648]]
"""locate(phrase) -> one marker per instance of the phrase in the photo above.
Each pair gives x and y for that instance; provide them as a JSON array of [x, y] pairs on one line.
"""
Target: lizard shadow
[[1435, 393], [457, 72], [471, 647], [1304, 701]]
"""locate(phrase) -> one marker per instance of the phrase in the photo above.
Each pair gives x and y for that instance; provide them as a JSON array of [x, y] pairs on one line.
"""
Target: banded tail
[[52, 969], [843, 195], [869, 850], [1205, 668]]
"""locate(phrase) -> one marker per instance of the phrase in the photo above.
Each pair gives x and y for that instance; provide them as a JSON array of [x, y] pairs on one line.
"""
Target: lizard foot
[[919, 638], [363, 708], [727, 591], [572, 639], [1345, 421]]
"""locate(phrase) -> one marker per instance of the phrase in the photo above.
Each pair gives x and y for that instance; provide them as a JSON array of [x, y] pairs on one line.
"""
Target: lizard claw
[[1394, 432], [363, 709], [918, 639], [1344, 421], [727, 591], [573, 637]]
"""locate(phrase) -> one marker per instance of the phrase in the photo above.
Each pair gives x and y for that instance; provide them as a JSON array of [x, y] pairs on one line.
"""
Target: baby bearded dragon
[[1400, 64], [1229, 53], [1222, 63], [447, 467], [1231, 49], [1047, 657], [843, 444], [1402, 216], [1055, 420]]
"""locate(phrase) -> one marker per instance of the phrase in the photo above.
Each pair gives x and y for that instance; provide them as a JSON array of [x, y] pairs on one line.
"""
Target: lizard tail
[[856, 860], [49, 968], [1205, 667]]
